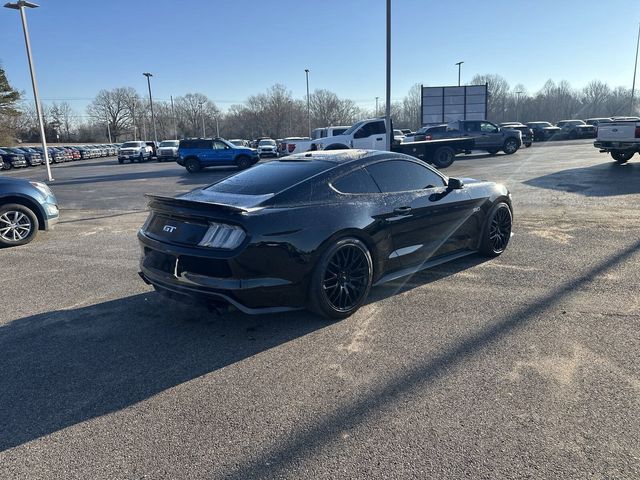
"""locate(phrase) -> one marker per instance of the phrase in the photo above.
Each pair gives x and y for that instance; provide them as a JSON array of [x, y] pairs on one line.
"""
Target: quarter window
[[403, 176], [358, 181]]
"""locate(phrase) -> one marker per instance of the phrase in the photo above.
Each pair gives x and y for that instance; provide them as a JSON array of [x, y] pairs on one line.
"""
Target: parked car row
[[16, 157]]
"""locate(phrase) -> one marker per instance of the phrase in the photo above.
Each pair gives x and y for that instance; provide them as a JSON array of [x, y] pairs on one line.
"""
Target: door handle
[[402, 210], [379, 138]]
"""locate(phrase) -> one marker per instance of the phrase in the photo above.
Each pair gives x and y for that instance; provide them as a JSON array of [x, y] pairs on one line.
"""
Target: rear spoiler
[[179, 202]]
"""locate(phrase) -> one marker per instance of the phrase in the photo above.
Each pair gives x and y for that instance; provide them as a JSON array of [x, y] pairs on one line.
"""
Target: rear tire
[[341, 280], [120, 161], [528, 144], [192, 165], [18, 225], [443, 157], [621, 156], [497, 230]]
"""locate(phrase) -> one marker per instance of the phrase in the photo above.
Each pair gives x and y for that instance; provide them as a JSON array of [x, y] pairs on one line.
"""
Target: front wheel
[[341, 279], [510, 146], [18, 225], [621, 156], [497, 230], [443, 157], [243, 162]]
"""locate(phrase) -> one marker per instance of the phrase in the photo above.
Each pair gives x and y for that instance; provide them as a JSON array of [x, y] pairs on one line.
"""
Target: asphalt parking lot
[[525, 366]]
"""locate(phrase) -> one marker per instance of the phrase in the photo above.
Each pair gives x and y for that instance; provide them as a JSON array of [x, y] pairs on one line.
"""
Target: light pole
[[376, 107], [217, 127], [20, 5], [175, 121], [387, 120], [517, 103], [459, 64], [635, 67], [204, 133], [306, 71], [153, 117]]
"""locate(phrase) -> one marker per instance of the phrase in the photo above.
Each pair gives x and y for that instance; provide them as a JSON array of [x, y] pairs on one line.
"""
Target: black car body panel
[[288, 229]]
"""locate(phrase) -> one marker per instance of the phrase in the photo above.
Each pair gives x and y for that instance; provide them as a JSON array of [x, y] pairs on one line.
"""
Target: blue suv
[[197, 153]]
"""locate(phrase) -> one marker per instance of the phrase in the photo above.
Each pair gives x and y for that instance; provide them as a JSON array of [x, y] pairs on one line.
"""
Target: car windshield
[[3, 152], [267, 142], [169, 143], [272, 177], [129, 144]]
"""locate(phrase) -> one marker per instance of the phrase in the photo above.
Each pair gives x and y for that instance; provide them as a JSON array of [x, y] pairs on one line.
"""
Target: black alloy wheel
[[510, 146], [497, 232], [342, 279], [18, 225]]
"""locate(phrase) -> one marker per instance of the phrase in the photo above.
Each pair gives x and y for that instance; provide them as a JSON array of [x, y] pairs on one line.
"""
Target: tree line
[[124, 114]]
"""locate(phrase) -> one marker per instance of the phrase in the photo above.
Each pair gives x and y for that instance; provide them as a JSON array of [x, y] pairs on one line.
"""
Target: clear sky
[[230, 49]]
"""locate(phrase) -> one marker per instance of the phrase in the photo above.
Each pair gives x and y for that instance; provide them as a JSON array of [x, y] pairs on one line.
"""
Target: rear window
[[272, 177]]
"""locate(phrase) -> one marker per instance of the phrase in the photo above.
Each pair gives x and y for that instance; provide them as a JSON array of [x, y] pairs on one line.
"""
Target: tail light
[[428, 137], [637, 132], [291, 147]]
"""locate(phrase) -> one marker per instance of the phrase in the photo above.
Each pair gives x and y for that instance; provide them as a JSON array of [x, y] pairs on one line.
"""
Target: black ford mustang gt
[[317, 230]]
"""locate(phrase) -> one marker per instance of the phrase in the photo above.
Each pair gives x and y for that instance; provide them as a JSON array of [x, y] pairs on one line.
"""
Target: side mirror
[[455, 184]]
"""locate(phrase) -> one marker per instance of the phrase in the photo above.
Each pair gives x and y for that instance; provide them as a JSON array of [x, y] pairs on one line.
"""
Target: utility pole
[[204, 133], [20, 5], [635, 67], [109, 131], [517, 103], [376, 107], [387, 120], [306, 71], [153, 117], [175, 120], [459, 64]]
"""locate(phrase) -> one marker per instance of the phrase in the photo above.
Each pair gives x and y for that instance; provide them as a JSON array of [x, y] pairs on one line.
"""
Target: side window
[[358, 181], [403, 175], [364, 132], [488, 127], [471, 127], [377, 128], [218, 145]]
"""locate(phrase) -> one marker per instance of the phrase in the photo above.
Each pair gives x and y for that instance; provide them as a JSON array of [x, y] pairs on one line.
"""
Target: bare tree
[[115, 107]]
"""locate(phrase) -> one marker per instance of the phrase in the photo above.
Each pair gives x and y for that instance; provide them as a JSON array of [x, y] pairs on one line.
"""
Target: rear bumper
[[228, 281], [611, 145]]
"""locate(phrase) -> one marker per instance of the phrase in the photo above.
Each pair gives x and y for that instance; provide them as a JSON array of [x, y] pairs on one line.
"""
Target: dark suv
[[197, 153], [487, 136]]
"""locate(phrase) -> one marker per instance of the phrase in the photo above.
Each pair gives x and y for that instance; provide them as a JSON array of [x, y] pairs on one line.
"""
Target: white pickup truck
[[621, 139], [304, 144]]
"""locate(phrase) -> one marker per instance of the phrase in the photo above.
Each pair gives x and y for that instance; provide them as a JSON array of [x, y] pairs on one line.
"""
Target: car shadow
[[68, 366], [601, 180]]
